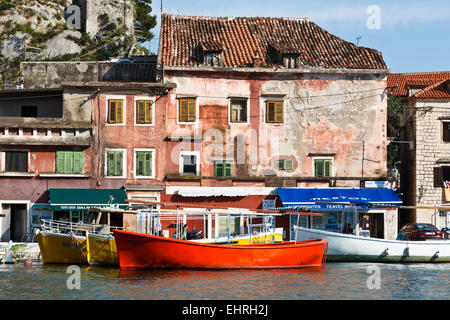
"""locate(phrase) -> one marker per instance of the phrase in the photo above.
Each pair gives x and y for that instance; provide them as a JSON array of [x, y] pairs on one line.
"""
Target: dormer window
[[290, 61], [213, 59], [212, 53]]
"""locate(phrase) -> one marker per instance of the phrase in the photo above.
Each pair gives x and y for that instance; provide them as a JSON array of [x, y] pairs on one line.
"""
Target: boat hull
[[350, 248], [146, 251], [62, 248], [102, 250]]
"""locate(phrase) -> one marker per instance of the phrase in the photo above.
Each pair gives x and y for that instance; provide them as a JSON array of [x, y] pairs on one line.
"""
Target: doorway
[[18, 222]]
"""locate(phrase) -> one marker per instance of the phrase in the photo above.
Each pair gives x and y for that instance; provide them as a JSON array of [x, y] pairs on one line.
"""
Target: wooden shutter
[[119, 104], [118, 162], [60, 161], [68, 162], [438, 178], [218, 169], [288, 164], [191, 110], [148, 164], [318, 168], [148, 111], [112, 113], [111, 164], [77, 162], [140, 112], [183, 110], [327, 168], [228, 170], [270, 112], [279, 112]]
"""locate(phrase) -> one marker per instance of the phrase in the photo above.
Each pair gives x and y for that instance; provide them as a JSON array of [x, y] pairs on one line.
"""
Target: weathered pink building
[[268, 102]]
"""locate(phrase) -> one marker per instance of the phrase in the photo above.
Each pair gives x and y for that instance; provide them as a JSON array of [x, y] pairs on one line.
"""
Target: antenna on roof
[[357, 40]]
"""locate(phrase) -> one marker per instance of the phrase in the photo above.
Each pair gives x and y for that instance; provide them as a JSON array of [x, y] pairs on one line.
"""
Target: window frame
[[277, 167], [4, 161], [324, 160], [276, 121], [124, 163], [230, 106], [445, 137], [180, 99], [136, 100], [181, 162], [135, 164], [124, 110]]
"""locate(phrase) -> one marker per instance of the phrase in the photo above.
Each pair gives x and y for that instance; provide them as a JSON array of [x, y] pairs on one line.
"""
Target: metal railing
[[78, 229]]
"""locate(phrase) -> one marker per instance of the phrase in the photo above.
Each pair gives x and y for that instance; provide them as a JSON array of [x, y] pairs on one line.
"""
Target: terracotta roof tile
[[397, 83], [244, 38], [439, 90]]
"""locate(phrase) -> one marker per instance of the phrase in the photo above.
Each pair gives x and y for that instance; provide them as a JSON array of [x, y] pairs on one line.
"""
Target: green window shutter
[[60, 161], [318, 168], [111, 164], [218, 169], [118, 163], [139, 163], [148, 164], [327, 168], [228, 169], [77, 162], [68, 162]]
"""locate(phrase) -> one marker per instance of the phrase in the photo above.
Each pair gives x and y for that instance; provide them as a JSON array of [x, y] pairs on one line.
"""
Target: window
[[16, 161], [69, 162], [213, 59], [29, 112], [274, 111], [114, 163], [115, 111], [322, 167], [441, 176], [144, 111], [189, 164], [223, 169], [143, 163], [284, 164], [187, 110], [446, 131], [238, 111]]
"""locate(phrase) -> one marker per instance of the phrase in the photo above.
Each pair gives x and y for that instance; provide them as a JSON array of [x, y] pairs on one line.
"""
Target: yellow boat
[[62, 248], [101, 250]]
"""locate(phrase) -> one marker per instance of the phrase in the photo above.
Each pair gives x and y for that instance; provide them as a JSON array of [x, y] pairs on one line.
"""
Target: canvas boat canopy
[[337, 198], [83, 199], [212, 192]]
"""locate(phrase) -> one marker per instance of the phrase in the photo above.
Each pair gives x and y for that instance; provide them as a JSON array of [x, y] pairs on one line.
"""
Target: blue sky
[[414, 36]]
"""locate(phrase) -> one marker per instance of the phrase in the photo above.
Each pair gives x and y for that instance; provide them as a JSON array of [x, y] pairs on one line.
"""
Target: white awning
[[213, 192]]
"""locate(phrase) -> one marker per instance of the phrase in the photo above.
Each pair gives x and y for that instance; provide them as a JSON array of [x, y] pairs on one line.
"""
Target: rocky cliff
[[41, 30]]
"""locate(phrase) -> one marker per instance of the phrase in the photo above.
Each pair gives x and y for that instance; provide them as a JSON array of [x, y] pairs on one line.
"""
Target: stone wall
[[431, 151]]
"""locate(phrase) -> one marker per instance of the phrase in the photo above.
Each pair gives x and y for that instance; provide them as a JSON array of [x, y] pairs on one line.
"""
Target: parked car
[[421, 232]]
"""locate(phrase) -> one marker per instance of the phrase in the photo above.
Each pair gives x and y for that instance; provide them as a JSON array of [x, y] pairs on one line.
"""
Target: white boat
[[352, 248]]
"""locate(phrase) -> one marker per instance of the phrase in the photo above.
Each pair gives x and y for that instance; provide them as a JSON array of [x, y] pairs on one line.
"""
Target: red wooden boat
[[137, 250]]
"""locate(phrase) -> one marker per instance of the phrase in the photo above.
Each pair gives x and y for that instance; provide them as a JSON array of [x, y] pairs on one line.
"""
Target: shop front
[[364, 212], [72, 204]]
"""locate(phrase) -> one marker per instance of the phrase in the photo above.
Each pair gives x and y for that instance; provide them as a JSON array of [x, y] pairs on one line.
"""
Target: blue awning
[[337, 198]]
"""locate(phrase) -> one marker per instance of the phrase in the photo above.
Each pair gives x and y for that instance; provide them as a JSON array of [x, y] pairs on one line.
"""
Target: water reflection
[[337, 281]]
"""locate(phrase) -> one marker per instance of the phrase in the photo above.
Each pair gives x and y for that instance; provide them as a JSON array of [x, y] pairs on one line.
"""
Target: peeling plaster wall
[[323, 114]]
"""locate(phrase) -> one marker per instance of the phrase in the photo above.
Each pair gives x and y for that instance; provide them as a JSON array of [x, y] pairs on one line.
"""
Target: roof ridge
[[182, 16]]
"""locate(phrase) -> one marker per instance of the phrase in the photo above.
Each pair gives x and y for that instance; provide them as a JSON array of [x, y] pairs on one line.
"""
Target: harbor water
[[338, 281]]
